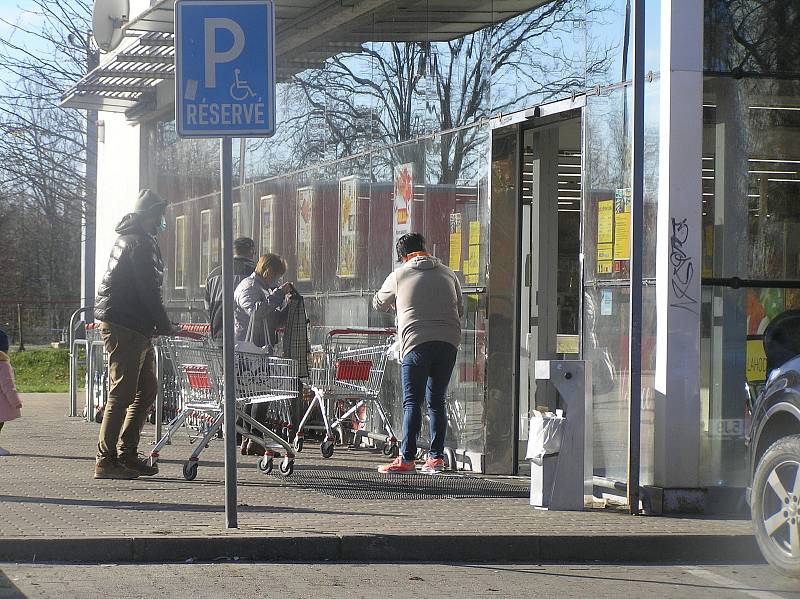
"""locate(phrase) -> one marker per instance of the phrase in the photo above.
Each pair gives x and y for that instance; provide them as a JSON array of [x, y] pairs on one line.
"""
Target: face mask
[[162, 225]]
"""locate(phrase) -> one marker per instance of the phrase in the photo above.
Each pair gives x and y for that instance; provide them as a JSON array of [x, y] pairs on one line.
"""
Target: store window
[[305, 247], [237, 222], [267, 224], [180, 251], [205, 246], [750, 212]]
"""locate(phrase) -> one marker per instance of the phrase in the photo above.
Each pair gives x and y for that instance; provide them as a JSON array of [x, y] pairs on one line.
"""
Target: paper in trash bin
[[544, 436]]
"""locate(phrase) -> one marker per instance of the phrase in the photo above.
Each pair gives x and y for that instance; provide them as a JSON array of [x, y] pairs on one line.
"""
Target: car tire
[[775, 502]]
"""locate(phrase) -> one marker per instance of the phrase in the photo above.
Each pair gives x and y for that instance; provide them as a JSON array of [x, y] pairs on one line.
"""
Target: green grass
[[41, 370]]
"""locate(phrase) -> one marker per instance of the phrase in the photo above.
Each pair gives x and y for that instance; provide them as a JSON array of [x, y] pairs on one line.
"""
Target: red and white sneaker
[[399, 466], [433, 466]]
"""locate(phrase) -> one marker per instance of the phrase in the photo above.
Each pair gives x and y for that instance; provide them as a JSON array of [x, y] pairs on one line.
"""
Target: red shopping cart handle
[[187, 335]]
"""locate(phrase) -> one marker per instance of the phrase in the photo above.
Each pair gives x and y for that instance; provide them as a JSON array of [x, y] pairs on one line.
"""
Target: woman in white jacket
[[259, 298]]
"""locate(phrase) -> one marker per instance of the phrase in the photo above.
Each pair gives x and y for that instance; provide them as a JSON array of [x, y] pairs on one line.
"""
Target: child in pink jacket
[[10, 404]]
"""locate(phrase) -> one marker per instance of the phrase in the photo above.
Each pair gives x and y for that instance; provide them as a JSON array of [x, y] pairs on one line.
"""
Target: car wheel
[[776, 504]]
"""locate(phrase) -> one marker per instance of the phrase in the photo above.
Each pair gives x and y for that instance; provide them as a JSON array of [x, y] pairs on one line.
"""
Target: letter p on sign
[[212, 56]]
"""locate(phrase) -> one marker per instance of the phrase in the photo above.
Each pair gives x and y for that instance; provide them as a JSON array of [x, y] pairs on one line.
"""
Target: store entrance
[[550, 262]]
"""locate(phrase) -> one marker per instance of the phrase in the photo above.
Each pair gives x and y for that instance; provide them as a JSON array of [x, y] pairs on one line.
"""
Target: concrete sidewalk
[[51, 509]]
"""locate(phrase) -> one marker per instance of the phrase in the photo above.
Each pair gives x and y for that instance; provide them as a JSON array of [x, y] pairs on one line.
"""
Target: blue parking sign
[[225, 68]]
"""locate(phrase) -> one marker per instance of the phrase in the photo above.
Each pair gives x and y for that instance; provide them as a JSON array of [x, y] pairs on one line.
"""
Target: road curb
[[661, 548]]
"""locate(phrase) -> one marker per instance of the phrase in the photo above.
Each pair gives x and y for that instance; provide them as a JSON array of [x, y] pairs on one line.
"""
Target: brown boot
[[142, 466], [110, 468]]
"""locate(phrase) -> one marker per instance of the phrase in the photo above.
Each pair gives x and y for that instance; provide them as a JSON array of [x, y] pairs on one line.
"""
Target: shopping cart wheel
[[298, 444], [264, 464], [327, 449], [389, 450], [190, 470], [286, 467]]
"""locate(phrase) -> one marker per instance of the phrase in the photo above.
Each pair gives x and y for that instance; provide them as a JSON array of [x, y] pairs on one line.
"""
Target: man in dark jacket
[[244, 250], [130, 307]]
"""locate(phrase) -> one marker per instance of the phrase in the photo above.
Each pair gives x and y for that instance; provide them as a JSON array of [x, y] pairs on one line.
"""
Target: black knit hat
[[149, 202], [3, 341]]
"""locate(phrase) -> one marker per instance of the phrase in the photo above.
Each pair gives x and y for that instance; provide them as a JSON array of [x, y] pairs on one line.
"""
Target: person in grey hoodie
[[426, 296]]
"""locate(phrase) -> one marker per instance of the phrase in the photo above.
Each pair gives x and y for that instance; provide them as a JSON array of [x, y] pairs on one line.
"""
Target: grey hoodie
[[427, 297]]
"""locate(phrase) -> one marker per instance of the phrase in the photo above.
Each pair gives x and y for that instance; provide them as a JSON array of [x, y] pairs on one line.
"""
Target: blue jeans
[[425, 373]]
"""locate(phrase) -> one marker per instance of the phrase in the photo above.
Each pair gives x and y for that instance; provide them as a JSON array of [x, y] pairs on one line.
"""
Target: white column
[[678, 249]]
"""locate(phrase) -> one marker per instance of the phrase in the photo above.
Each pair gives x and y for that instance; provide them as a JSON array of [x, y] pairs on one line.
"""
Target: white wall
[[117, 182]]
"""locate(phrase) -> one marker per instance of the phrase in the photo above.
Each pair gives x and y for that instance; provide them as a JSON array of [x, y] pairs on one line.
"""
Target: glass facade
[[390, 136], [751, 217]]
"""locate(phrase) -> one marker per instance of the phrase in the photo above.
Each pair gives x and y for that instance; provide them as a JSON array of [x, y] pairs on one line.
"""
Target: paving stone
[[47, 492]]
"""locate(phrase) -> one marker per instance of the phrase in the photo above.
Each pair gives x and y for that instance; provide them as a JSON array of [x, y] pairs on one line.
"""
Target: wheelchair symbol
[[240, 89]]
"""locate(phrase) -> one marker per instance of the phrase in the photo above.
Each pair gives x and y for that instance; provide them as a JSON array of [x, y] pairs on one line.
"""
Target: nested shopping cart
[[259, 379], [346, 375], [170, 398]]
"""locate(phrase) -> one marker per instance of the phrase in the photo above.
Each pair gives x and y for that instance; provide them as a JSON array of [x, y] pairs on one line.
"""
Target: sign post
[[225, 87]]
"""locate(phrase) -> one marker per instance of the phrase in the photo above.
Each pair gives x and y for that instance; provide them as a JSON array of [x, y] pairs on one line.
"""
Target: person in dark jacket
[[244, 250], [130, 307]]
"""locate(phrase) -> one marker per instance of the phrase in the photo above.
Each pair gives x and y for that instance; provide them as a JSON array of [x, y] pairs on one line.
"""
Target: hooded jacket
[[130, 292], [10, 404], [427, 297], [242, 267]]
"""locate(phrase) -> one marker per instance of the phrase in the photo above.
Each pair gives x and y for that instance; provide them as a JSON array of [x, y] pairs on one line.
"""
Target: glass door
[[551, 265]]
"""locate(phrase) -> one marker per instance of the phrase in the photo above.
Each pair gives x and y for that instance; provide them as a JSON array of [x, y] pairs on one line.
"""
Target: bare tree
[[42, 149], [390, 92]]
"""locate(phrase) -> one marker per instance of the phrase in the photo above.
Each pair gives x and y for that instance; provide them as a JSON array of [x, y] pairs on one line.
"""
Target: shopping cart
[[259, 379], [170, 400], [346, 374]]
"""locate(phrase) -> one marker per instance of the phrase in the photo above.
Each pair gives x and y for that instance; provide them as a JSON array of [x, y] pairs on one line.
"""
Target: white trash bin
[[544, 443]]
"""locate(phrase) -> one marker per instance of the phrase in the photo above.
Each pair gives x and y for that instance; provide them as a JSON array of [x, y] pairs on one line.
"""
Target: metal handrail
[[73, 360], [738, 283]]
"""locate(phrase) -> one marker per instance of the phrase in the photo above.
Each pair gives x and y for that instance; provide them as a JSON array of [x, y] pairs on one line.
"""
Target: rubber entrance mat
[[365, 486]]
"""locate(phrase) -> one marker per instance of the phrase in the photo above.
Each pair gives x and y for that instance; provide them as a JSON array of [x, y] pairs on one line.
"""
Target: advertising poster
[[348, 228], [472, 265], [622, 224], [456, 220], [305, 205], [402, 213], [605, 221], [756, 368], [267, 224]]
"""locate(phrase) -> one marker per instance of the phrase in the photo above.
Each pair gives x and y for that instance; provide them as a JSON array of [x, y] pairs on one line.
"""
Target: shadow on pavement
[[8, 590], [158, 506]]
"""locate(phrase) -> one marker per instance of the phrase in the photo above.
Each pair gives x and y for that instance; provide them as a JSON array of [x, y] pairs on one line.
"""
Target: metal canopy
[[308, 32], [127, 78]]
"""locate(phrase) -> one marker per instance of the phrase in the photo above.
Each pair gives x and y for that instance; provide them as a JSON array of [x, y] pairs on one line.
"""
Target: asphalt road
[[233, 580]]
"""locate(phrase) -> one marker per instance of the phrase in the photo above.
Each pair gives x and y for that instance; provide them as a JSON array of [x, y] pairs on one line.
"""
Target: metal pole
[[88, 245], [637, 231], [19, 328], [226, 170]]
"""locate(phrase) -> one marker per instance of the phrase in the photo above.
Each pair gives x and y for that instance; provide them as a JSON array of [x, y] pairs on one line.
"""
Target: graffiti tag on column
[[682, 268]]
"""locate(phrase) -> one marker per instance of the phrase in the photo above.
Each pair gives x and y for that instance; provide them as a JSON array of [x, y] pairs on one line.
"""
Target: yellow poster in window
[[472, 266], [756, 369], [455, 251], [474, 232], [605, 257], [473, 260], [456, 219], [622, 236], [605, 221]]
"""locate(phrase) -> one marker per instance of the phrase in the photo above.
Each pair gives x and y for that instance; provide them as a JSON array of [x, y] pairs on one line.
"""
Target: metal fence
[[32, 323]]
